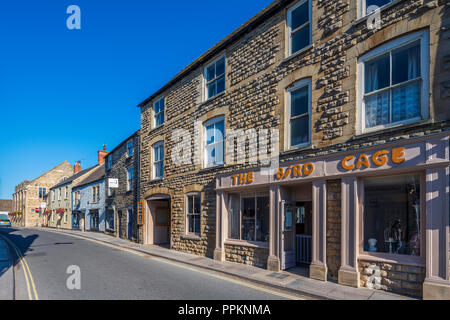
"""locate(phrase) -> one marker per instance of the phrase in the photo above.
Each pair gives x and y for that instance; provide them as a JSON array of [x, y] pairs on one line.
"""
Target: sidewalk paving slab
[[280, 280]]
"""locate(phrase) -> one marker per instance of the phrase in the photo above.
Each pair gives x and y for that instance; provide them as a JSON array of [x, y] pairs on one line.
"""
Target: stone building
[[122, 167], [29, 195], [88, 202], [356, 102], [60, 202]]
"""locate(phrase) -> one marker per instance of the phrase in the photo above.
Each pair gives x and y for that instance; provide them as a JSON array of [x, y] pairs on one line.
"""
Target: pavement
[[6, 272], [293, 282]]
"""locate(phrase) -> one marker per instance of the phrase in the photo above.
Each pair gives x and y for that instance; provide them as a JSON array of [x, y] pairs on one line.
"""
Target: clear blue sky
[[63, 93]]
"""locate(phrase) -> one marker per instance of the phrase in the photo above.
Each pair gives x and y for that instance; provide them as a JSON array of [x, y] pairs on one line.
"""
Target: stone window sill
[[250, 244], [213, 98], [298, 53], [191, 237], [391, 128], [394, 259]]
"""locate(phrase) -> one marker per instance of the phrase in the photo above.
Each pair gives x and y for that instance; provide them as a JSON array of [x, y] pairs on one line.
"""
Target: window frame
[[206, 82], [155, 115], [297, 86], [362, 12], [187, 214], [290, 32], [109, 162], [384, 256], [242, 196], [388, 48], [130, 142], [210, 122], [154, 146], [130, 180]]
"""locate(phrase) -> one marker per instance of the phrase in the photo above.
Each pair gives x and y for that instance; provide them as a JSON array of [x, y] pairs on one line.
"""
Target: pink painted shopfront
[[393, 216]]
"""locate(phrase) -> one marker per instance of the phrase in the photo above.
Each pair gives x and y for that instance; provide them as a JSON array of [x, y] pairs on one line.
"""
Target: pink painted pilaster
[[318, 268], [437, 282], [348, 273], [221, 226], [273, 261]]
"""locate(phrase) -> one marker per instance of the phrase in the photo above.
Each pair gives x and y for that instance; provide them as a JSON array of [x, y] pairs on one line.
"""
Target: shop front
[[376, 217]]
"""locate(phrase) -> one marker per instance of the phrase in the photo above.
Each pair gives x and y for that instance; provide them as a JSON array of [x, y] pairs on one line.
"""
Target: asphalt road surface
[[110, 273]]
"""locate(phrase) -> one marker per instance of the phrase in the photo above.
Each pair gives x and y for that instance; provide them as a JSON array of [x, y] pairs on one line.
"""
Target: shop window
[[299, 26], [215, 78], [248, 217], [158, 113], [158, 160], [214, 144], [193, 212], [391, 215], [298, 111], [394, 83]]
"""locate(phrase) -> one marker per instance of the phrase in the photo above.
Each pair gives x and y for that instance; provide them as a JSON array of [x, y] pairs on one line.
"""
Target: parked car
[[4, 221]]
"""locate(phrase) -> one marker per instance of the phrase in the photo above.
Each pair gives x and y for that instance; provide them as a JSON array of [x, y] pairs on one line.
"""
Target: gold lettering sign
[[379, 158], [243, 178], [295, 171]]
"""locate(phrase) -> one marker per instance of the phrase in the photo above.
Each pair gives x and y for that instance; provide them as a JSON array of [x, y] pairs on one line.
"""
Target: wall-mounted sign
[[113, 183], [140, 214], [43, 205]]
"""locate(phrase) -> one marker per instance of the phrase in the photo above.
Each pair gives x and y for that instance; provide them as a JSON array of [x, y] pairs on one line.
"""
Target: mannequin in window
[[396, 231]]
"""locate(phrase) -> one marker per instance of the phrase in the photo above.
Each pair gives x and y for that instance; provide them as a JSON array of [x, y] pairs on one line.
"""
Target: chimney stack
[[77, 167], [102, 155]]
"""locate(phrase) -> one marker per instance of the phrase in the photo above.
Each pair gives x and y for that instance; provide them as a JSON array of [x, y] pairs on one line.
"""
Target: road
[[110, 273]]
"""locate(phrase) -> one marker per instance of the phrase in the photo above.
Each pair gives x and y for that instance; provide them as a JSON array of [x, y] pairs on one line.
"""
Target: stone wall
[[257, 76], [334, 228], [397, 278], [121, 199], [256, 257]]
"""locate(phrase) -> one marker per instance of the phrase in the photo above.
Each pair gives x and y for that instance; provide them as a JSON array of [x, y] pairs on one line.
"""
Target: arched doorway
[[158, 211]]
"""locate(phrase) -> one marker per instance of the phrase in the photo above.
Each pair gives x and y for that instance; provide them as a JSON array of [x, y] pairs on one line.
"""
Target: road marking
[[180, 265], [26, 270]]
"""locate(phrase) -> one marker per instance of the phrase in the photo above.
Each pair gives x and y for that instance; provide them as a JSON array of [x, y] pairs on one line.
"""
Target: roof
[[124, 141], [96, 175], [6, 205], [259, 18], [72, 178]]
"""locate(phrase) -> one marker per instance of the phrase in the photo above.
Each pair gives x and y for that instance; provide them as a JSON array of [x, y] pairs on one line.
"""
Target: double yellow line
[[26, 270]]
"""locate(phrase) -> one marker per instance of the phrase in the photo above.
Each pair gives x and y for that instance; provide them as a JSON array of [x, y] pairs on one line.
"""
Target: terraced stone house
[[122, 190], [30, 194], [356, 102]]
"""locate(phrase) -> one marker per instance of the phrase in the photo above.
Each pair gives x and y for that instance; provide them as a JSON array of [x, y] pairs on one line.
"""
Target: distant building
[[89, 201], [6, 206], [29, 195], [121, 203], [60, 202]]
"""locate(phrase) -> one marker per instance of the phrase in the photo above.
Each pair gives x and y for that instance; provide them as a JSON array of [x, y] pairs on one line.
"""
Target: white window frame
[[423, 36], [109, 162], [130, 183], [130, 143], [206, 83], [289, 26], [155, 115], [296, 86], [205, 145], [157, 145], [193, 194], [363, 9]]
